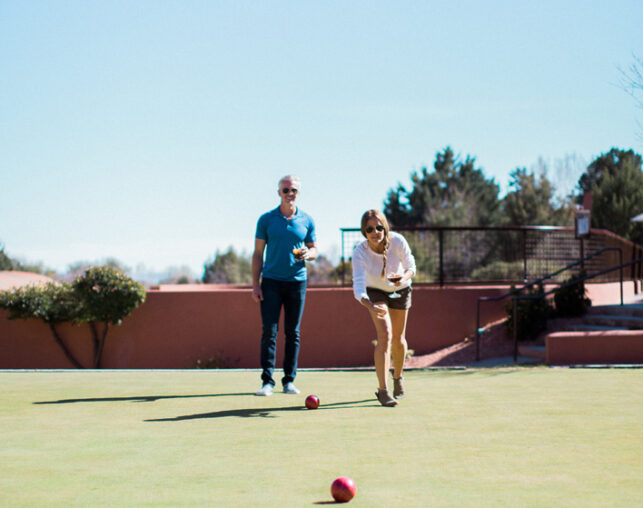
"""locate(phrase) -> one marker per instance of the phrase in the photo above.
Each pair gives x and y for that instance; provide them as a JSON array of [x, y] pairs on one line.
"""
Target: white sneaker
[[266, 390], [290, 388]]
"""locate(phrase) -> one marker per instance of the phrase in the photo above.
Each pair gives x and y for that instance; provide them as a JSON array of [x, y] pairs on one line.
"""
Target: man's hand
[[308, 253], [302, 254], [257, 294]]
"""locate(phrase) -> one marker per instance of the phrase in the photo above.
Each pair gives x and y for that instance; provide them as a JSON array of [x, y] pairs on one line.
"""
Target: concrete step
[[581, 327], [532, 351], [621, 310], [614, 320]]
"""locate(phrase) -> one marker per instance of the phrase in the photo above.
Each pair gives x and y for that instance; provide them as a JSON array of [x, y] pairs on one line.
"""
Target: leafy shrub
[[51, 302], [572, 300], [106, 295], [532, 314]]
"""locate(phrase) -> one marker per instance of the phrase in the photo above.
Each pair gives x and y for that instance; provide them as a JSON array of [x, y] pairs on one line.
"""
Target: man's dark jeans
[[290, 295]]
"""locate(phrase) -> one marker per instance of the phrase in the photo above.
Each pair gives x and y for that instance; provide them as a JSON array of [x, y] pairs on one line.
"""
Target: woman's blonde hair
[[376, 214]]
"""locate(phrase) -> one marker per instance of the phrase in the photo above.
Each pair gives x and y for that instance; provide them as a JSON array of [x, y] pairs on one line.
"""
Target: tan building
[[14, 279]]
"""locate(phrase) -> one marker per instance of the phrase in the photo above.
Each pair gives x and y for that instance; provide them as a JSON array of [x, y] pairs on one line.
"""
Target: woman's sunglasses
[[370, 229], [288, 190]]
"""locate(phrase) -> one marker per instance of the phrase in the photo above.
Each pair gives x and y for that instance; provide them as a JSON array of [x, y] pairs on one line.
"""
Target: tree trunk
[[60, 342], [101, 345], [95, 341]]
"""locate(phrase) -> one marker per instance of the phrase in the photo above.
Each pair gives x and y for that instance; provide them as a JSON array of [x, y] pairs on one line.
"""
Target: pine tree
[[456, 193], [531, 201]]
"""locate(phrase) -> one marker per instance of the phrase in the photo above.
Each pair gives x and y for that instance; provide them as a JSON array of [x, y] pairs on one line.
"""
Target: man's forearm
[[257, 265]]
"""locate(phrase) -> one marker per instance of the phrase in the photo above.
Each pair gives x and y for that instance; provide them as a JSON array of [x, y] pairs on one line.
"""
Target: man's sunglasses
[[370, 229], [288, 190]]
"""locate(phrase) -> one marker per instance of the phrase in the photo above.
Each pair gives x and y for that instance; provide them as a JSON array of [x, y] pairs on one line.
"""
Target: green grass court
[[488, 437]]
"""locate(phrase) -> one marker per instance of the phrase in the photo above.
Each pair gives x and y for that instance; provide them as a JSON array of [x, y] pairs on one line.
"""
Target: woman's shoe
[[385, 398], [398, 387]]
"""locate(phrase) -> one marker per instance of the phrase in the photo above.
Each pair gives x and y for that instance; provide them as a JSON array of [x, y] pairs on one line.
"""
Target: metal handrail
[[538, 281], [571, 283]]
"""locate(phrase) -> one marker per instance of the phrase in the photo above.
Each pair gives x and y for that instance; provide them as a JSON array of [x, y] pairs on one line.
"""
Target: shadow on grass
[[263, 412], [141, 398]]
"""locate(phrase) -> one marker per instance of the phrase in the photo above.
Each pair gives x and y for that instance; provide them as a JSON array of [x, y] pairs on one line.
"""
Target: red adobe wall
[[178, 325], [584, 348]]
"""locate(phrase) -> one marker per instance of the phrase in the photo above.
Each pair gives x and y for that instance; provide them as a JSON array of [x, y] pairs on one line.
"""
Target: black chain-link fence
[[513, 254]]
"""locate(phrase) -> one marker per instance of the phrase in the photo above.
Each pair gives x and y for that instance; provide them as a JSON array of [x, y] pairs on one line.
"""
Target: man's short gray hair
[[292, 178]]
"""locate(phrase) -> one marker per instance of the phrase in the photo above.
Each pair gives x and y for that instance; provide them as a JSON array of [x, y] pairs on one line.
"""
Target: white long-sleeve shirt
[[367, 266]]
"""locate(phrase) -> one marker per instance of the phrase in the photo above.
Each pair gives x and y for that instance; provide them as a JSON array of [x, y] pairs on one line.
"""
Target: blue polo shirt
[[282, 236]]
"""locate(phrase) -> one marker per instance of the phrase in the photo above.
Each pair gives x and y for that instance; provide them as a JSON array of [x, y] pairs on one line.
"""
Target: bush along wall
[[532, 314], [102, 296], [571, 298]]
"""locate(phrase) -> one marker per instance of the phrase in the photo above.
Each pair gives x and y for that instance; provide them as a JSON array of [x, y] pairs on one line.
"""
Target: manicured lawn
[[489, 437]]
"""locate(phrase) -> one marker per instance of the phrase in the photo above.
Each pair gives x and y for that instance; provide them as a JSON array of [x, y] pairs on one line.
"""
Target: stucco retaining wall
[[587, 348], [179, 325]]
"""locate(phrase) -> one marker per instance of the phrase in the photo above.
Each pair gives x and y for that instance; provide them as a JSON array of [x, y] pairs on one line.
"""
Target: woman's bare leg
[[382, 353], [399, 345]]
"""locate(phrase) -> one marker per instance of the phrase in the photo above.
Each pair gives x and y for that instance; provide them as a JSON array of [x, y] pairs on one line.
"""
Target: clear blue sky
[[155, 132]]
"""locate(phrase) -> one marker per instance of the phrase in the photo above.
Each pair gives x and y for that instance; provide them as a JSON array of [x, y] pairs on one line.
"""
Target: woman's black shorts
[[403, 303]]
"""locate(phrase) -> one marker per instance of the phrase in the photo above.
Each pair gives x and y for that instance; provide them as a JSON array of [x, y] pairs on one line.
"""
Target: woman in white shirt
[[375, 262]]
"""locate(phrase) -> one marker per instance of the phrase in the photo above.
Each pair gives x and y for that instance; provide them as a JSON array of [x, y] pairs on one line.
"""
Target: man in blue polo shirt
[[286, 235]]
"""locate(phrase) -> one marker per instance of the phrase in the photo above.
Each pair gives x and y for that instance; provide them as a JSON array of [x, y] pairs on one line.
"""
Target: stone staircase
[[603, 318], [612, 317]]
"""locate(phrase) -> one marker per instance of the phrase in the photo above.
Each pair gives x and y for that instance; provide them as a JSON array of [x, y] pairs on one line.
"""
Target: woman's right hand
[[379, 308]]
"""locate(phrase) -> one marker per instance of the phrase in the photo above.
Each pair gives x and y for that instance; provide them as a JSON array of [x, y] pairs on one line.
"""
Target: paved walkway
[[634, 299]]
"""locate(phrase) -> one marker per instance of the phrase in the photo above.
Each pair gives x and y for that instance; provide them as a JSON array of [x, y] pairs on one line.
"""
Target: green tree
[[6, 263], [106, 296], [101, 295], [617, 199], [456, 193], [615, 179], [228, 268], [531, 201], [607, 163]]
